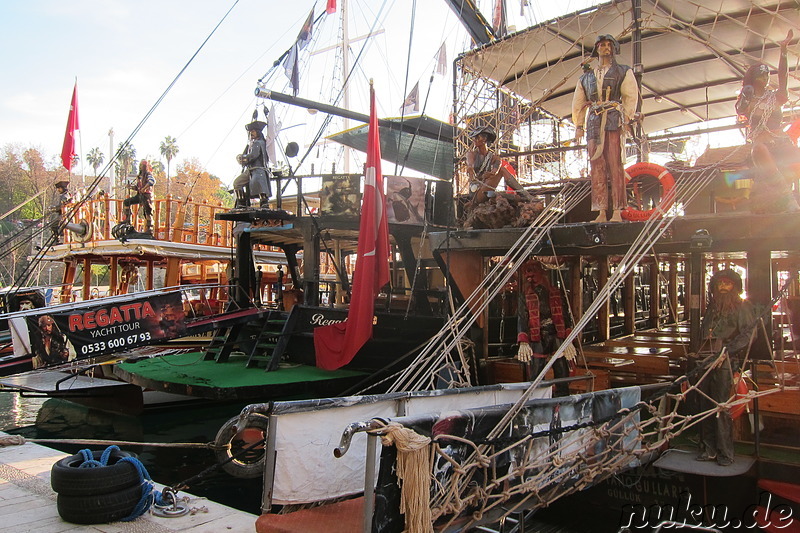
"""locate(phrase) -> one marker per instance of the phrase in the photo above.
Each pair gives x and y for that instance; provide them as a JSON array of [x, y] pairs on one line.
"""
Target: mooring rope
[[18, 440]]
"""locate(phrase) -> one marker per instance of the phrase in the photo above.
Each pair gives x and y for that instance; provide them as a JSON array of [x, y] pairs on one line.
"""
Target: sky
[[125, 53]]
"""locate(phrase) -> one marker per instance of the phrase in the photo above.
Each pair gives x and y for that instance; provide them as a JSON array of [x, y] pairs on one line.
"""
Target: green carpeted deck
[[190, 369]]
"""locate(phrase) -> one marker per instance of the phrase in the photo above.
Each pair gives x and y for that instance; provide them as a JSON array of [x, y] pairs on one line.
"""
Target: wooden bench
[[652, 360], [678, 345]]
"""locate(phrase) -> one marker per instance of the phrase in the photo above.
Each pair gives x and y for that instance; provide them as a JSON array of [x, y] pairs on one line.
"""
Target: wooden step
[[787, 491]]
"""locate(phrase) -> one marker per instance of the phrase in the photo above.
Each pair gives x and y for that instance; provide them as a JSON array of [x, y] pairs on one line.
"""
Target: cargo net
[[482, 465], [522, 86]]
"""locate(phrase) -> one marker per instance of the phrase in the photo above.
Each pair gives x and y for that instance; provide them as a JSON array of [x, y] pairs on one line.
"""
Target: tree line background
[[27, 179]]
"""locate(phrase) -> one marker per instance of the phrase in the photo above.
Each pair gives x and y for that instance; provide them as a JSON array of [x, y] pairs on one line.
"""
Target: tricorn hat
[[729, 274], [256, 125], [606, 37], [61, 183], [491, 136]]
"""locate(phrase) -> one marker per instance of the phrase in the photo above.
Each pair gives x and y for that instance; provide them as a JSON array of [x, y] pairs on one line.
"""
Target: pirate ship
[[636, 291]]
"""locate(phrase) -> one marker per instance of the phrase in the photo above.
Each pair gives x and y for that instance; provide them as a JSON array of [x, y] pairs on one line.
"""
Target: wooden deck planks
[[28, 504]]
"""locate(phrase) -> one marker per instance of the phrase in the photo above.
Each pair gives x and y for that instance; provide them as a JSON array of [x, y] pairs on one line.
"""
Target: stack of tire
[[98, 494]]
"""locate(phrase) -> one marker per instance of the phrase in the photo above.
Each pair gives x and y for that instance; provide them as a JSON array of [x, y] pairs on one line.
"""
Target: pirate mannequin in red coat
[[542, 324]]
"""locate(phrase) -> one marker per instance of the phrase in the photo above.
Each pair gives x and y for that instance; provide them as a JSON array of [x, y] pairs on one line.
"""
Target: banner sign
[[114, 327], [340, 195]]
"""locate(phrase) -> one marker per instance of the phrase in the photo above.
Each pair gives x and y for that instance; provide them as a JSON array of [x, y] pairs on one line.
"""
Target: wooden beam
[[576, 288], [696, 286], [655, 294], [603, 324], [150, 272], [87, 278], [672, 291], [113, 276], [759, 291], [629, 303]]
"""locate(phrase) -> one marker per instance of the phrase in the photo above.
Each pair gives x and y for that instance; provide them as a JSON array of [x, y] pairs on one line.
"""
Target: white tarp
[[305, 468]]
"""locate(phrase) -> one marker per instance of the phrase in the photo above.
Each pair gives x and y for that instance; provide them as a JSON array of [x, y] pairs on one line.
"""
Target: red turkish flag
[[337, 344], [331, 8], [68, 150]]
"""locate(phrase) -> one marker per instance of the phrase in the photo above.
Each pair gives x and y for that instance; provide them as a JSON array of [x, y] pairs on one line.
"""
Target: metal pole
[[638, 71], [369, 482], [696, 275], [112, 170], [445, 134]]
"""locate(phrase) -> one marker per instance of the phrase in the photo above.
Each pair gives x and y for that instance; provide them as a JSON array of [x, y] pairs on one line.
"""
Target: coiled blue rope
[[149, 495]]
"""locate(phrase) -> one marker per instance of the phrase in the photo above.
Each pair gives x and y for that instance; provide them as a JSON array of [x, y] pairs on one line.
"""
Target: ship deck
[[191, 375]]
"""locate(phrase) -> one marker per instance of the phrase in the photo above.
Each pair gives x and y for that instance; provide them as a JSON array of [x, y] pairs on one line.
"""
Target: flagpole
[[80, 154], [345, 72], [83, 171]]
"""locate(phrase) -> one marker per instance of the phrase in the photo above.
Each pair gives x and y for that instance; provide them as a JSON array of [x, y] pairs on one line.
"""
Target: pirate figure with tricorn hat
[[728, 323], [60, 199], [253, 182], [485, 207], [605, 101]]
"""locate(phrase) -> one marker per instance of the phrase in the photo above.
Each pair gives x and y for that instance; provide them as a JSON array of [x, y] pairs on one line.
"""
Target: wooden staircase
[[222, 344], [263, 343], [268, 340]]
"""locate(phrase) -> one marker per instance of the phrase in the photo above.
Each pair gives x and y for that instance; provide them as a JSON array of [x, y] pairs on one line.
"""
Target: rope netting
[[497, 93], [535, 461], [694, 55]]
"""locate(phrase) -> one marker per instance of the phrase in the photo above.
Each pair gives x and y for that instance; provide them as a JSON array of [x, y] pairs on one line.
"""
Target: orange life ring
[[741, 390], [665, 179]]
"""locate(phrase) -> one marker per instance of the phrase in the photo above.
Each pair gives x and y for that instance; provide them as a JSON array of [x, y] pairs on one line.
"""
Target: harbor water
[[50, 418]]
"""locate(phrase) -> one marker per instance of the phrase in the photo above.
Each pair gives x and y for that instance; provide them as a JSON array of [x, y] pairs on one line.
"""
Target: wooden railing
[[173, 220]]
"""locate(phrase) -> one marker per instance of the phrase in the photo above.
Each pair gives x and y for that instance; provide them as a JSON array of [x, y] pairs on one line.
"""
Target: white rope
[[433, 354]]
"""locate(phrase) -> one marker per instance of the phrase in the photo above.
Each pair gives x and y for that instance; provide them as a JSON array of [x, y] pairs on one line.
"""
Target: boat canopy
[[693, 53], [429, 150]]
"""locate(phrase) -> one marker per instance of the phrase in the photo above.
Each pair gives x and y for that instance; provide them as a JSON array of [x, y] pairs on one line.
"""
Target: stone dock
[[27, 503]]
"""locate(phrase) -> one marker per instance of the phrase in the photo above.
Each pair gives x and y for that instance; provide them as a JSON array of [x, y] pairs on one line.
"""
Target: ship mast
[[345, 87]]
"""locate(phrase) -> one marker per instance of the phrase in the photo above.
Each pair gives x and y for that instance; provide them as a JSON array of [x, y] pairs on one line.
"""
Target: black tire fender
[[100, 508], [251, 463], [67, 479]]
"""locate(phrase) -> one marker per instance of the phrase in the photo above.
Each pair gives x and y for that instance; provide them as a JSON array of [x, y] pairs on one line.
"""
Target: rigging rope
[[422, 372]]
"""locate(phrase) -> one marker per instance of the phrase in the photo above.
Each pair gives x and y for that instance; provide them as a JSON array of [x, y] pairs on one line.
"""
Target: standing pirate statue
[[60, 199], [605, 100], [143, 186], [728, 323], [253, 182]]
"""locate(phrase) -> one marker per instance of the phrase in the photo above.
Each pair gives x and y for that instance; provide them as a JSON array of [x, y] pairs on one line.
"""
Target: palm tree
[[125, 161], [95, 158], [169, 150]]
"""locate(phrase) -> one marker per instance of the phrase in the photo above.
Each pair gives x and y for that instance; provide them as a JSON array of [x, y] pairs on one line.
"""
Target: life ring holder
[[667, 185], [233, 441]]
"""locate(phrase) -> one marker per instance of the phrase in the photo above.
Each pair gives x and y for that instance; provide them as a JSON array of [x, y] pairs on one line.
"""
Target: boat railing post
[[369, 482], [107, 220], [157, 217], [168, 217], [269, 465]]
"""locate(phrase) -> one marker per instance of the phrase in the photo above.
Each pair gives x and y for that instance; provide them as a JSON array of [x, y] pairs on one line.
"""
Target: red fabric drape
[[68, 150], [337, 344]]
